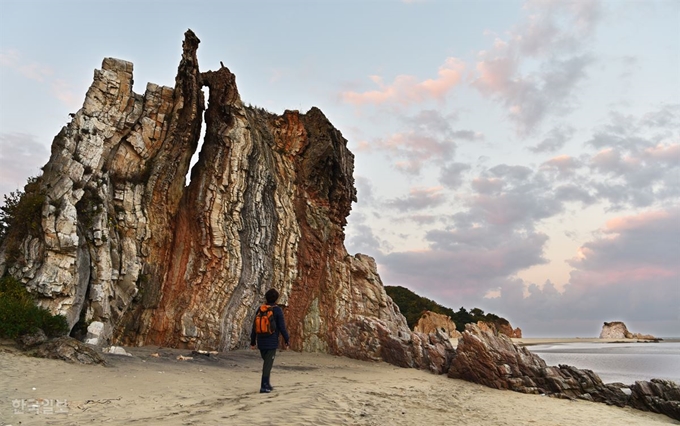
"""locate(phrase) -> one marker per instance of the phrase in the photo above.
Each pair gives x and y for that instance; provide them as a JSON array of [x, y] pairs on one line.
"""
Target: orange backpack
[[264, 321]]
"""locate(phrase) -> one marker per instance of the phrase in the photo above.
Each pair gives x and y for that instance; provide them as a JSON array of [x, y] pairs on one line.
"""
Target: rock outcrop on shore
[[618, 330], [136, 256], [502, 328], [490, 358], [656, 395], [432, 322]]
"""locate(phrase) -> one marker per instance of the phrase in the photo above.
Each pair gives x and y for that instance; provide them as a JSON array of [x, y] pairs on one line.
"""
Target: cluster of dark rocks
[[65, 348], [493, 360]]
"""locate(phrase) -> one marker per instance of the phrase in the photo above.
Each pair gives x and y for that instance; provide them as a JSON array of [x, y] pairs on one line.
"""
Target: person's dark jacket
[[271, 341]]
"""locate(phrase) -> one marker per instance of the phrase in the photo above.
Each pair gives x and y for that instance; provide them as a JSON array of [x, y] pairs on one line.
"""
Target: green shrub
[[21, 216], [20, 315], [412, 307]]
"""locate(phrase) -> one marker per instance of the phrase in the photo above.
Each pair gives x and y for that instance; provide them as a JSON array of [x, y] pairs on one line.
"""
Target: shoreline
[[529, 341], [310, 389]]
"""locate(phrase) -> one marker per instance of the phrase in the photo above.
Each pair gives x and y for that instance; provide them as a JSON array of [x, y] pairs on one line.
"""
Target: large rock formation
[[137, 257], [618, 330], [490, 358]]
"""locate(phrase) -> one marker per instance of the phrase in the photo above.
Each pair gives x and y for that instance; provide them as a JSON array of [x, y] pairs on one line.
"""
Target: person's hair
[[271, 296]]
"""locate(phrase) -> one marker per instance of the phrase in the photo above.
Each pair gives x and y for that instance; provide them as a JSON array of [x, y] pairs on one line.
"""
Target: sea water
[[617, 362]]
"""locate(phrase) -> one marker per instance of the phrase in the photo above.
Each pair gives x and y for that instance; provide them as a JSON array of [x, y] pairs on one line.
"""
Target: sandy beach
[[310, 389]]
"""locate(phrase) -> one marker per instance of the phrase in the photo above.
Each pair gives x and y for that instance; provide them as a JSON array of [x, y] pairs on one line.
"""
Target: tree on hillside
[[412, 306], [21, 216]]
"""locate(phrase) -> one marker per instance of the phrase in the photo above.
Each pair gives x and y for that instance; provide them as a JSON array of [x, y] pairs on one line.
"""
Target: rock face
[[513, 333], [493, 360], [502, 328], [139, 257], [659, 396], [618, 330], [490, 358], [432, 322]]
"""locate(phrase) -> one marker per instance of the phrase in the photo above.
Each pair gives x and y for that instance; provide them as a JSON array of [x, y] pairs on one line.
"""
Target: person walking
[[268, 325]]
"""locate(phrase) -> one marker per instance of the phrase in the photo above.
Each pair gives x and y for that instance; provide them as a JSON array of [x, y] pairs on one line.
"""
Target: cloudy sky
[[522, 157]]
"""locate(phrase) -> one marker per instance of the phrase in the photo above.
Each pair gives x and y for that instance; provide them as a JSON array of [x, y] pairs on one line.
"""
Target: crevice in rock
[[197, 153]]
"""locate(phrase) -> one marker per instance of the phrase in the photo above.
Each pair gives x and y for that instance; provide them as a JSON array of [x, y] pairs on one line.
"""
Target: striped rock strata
[[141, 258]]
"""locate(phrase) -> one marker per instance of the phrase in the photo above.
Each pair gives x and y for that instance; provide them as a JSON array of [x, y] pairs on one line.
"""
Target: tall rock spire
[[142, 258]]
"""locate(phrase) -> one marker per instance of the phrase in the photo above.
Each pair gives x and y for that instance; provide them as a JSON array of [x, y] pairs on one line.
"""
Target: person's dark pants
[[268, 357]]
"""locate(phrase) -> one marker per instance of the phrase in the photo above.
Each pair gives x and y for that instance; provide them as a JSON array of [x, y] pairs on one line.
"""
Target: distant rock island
[[618, 330]]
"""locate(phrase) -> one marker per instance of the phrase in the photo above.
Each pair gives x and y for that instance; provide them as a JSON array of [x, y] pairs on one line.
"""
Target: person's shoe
[[265, 390]]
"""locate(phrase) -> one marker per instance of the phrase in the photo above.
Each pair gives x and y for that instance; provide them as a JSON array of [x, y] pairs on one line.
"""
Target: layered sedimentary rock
[[431, 322], [618, 330], [136, 256], [659, 396], [490, 358]]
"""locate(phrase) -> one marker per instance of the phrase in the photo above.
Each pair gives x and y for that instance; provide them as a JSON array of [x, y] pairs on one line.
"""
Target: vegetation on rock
[[412, 306], [19, 314], [21, 216]]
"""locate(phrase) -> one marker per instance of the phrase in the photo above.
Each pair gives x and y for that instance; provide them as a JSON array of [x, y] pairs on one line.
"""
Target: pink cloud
[[33, 71], [40, 73], [495, 74], [415, 149], [62, 91], [634, 249], [406, 89], [635, 274], [551, 33], [363, 146], [565, 164], [665, 153], [642, 220]]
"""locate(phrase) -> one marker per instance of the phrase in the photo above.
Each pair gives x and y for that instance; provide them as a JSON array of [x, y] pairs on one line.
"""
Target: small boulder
[[29, 340], [94, 333], [68, 349], [116, 350]]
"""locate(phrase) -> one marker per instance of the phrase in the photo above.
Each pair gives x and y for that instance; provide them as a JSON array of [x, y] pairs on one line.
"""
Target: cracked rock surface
[[139, 257]]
